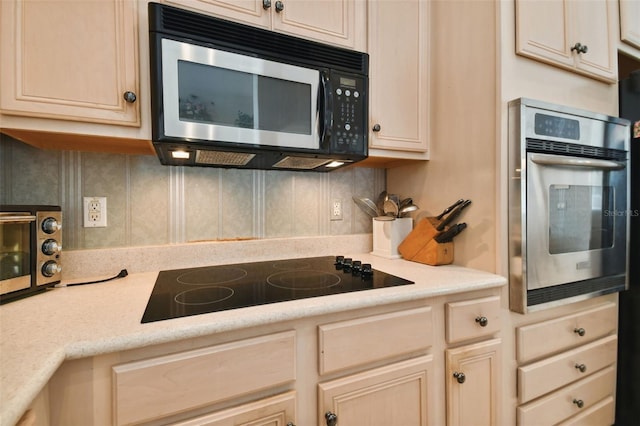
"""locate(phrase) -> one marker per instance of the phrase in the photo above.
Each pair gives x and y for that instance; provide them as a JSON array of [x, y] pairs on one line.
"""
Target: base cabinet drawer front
[[357, 342], [397, 394], [549, 337], [603, 413], [473, 384], [569, 401], [472, 318], [279, 410], [158, 387], [552, 373]]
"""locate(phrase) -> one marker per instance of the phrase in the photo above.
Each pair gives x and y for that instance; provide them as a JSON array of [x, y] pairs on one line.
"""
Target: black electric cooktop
[[184, 292]]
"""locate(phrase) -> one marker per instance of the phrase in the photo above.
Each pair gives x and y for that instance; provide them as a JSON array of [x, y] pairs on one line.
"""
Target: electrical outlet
[[336, 209], [95, 212]]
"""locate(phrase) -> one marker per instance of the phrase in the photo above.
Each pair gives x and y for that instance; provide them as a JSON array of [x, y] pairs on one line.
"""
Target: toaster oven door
[[576, 226], [15, 251]]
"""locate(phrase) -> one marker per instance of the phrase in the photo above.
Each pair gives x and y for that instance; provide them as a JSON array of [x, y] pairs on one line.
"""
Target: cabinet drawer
[[472, 318], [351, 343], [157, 387], [600, 414], [552, 373], [563, 404], [548, 337]]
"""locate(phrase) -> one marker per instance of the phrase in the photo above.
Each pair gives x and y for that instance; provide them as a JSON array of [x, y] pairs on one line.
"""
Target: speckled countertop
[[38, 333]]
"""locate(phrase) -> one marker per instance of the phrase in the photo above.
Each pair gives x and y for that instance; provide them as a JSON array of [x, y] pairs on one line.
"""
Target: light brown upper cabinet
[[398, 46], [72, 60], [337, 22], [630, 22], [574, 35]]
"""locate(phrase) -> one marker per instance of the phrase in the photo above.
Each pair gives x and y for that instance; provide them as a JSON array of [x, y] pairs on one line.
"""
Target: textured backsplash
[[151, 204]]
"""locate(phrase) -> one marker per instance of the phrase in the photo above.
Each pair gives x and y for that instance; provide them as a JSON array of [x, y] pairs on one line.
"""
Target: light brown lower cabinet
[[396, 394], [473, 383], [279, 410]]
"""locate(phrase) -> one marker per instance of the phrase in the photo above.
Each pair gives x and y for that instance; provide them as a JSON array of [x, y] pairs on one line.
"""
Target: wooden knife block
[[419, 245]]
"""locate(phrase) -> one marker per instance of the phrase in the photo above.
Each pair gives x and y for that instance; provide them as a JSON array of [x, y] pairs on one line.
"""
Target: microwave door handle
[[326, 107], [592, 163]]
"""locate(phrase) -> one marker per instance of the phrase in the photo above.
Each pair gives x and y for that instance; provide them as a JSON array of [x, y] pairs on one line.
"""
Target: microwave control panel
[[349, 113]]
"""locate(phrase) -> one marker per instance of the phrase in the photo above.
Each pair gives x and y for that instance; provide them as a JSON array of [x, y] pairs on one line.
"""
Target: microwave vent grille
[[302, 163], [578, 150], [222, 158], [209, 29]]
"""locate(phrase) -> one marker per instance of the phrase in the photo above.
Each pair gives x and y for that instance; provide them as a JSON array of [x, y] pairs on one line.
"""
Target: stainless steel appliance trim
[[174, 51], [551, 160], [16, 218]]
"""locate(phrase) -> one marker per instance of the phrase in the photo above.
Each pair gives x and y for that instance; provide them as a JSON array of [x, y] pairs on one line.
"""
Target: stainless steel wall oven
[[568, 204]]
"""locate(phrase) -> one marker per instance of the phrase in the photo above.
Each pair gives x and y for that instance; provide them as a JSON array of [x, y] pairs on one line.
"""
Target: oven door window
[[209, 94], [15, 260], [580, 218]]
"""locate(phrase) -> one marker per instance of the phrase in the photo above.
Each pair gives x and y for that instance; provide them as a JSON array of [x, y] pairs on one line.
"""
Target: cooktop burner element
[[184, 292]]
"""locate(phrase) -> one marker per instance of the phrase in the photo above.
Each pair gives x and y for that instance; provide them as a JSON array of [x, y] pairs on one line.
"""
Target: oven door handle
[[592, 163], [17, 218]]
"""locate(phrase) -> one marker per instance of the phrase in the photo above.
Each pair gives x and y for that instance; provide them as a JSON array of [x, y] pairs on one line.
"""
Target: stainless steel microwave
[[225, 94], [568, 204]]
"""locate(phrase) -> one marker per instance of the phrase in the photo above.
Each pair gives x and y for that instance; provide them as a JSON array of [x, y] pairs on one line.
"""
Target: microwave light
[[335, 164], [180, 155]]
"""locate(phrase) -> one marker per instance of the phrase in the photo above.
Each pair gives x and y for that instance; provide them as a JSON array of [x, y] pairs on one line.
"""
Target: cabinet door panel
[[630, 22], [71, 60], [541, 31], [398, 394], [275, 411], [399, 48], [473, 400], [247, 11], [592, 21]]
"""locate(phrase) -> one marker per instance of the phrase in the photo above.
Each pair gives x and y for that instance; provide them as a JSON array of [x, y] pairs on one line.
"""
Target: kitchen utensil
[[447, 236], [448, 209], [402, 212], [455, 213], [390, 208], [366, 205], [380, 201]]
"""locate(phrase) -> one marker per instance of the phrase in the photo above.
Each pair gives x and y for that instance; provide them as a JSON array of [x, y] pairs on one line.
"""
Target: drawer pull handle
[[581, 367], [332, 419], [579, 403], [460, 377], [580, 331], [483, 321]]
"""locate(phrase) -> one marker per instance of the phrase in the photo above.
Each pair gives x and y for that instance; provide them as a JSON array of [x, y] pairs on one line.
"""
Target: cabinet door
[[275, 411], [548, 30], [593, 22], [70, 59], [473, 384], [398, 394], [399, 85], [248, 11], [339, 22], [630, 22]]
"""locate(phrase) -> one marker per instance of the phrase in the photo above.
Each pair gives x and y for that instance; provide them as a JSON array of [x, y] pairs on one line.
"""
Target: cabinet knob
[[376, 127], [581, 367], [290, 424], [460, 377], [332, 419], [580, 48], [579, 331], [130, 97], [266, 4], [279, 6], [579, 403], [483, 321]]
